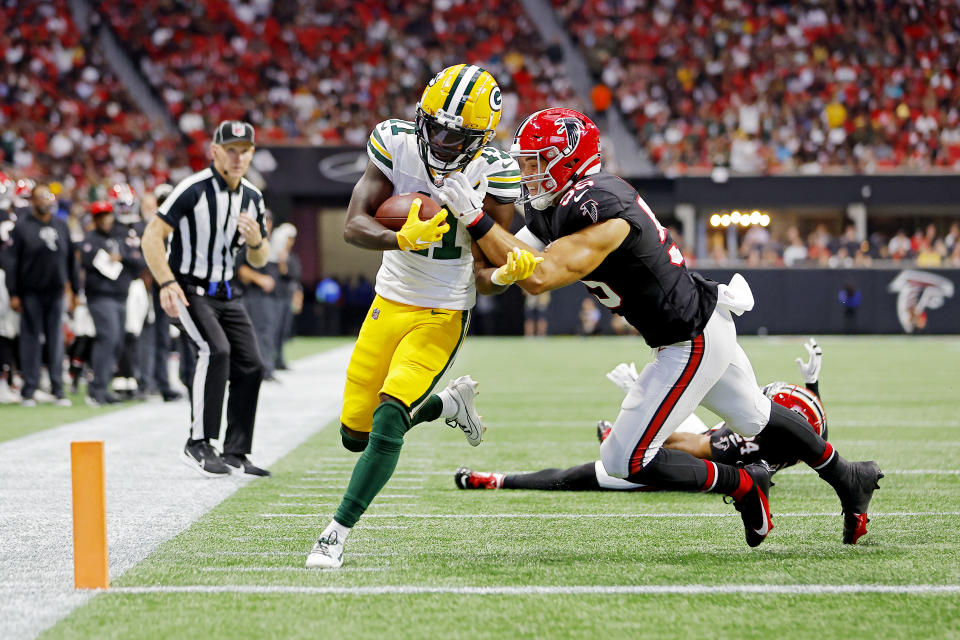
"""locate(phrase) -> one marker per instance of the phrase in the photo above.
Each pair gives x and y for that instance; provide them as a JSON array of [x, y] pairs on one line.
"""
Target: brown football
[[393, 212]]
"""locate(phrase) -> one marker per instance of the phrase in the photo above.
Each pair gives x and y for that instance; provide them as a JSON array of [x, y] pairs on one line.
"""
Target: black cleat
[[200, 456], [241, 466], [754, 506], [855, 491]]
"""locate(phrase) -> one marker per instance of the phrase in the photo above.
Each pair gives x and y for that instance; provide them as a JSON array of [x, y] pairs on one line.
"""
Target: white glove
[[810, 370], [461, 199], [624, 375]]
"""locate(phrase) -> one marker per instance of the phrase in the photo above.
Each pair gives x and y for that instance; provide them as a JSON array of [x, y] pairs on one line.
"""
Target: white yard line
[[151, 495], [574, 516], [298, 568], [559, 590]]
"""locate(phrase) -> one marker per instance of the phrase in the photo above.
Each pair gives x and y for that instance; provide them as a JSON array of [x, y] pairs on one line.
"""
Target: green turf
[[892, 399], [17, 421]]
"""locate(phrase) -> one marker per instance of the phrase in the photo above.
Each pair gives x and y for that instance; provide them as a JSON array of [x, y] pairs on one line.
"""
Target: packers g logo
[[496, 100]]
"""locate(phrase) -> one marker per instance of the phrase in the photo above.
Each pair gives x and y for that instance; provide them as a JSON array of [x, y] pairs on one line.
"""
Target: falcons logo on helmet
[[573, 129], [917, 292]]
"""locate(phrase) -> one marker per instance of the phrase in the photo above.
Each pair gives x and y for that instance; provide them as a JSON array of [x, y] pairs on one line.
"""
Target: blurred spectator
[[289, 299], [329, 299], [535, 317], [589, 317], [44, 269], [110, 265], [260, 293], [899, 246], [795, 250]]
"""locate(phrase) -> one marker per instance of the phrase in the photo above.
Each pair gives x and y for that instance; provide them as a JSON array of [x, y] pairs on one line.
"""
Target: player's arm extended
[[502, 214], [360, 228], [567, 260]]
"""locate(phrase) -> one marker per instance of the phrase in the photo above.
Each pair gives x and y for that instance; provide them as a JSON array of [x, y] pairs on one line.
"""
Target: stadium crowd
[[928, 246], [757, 88], [326, 73], [75, 295], [779, 87]]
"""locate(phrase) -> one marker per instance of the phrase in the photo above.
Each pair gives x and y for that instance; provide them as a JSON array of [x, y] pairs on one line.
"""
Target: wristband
[[480, 227], [167, 283], [257, 246]]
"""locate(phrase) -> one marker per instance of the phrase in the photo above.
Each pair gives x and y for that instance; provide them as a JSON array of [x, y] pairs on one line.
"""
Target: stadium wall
[[820, 301]]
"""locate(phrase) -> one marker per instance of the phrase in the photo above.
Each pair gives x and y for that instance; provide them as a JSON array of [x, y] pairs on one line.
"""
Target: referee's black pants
[[226, 350]]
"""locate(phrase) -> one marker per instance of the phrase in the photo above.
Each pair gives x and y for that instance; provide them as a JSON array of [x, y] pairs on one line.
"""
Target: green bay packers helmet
[[457, 114]]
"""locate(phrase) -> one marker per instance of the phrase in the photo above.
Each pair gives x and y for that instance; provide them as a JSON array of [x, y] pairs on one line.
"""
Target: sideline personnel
[[211, 214]]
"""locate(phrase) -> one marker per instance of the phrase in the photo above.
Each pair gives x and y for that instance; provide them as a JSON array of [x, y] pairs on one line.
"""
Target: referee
[[210, 215]]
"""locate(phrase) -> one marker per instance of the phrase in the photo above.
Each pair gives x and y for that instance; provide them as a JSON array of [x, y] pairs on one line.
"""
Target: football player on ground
[[719, 444], [426, 285], [592, 226]]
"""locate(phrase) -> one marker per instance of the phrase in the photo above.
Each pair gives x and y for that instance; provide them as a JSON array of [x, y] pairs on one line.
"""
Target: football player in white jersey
[[426, 285]]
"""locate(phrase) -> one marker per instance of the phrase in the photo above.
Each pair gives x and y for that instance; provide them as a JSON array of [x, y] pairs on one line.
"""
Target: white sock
[[450, 406], [334, 526]]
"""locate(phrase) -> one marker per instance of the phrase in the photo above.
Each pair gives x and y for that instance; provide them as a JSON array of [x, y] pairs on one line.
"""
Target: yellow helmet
[[457, 114]]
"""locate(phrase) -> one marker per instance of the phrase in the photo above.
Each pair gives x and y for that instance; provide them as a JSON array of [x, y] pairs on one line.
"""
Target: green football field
[[431, 561]]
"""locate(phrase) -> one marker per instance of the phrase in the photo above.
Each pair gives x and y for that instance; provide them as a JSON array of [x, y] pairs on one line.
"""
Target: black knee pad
[[352, 444]]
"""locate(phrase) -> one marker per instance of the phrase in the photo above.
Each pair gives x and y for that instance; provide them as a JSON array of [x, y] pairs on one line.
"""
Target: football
[[393, 212]]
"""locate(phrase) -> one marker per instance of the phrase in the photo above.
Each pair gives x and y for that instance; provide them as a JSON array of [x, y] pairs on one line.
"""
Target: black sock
[[580, 478], [677, 470], [793, 430]]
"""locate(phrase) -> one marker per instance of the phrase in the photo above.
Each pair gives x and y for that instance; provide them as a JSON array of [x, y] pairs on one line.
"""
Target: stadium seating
[[65, 114], [326, 75], [788, 87]]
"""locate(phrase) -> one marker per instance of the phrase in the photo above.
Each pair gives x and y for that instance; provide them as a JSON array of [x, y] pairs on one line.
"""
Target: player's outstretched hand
[[416, 234], [624, 375], [810, 370], [520, 266], [462, 199]]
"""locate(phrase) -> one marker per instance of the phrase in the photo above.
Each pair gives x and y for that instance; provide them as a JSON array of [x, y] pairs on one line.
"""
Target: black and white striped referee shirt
[[203, 213]]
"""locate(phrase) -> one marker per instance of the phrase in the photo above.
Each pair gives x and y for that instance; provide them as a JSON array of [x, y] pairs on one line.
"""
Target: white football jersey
[[440, 276]]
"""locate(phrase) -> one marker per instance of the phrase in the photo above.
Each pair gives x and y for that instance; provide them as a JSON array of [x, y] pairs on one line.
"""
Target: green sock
[[376, 464], [429, 411]]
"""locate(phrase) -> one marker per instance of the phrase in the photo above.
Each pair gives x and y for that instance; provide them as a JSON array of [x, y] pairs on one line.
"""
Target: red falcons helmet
[[801, 400], [566, 145]]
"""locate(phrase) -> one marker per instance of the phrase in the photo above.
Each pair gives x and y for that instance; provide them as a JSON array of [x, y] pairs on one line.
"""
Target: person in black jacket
[[110, 264], [44, 266]]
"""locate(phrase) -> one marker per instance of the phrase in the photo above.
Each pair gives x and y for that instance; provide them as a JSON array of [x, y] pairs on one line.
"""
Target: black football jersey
[[645, 279], [727, 447]]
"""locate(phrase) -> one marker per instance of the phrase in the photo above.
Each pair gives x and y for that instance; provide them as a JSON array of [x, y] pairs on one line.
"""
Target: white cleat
[[327, 553], [462, 391]]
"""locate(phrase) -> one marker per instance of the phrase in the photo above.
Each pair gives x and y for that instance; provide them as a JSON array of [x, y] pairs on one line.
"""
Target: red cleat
[[468, 479]]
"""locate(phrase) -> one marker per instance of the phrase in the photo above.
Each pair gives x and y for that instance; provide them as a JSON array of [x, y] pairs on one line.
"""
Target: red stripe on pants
[[696, 356], [711, 476]]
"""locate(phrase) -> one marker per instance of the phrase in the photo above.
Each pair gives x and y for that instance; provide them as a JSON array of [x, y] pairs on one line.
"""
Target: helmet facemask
[[445, 146]]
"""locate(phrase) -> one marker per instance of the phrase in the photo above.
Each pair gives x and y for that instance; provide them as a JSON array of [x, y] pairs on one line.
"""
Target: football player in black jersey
[[592, 226], [719, 444]]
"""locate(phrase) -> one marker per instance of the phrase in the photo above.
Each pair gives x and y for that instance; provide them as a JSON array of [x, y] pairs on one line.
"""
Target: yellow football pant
[[401, 351]]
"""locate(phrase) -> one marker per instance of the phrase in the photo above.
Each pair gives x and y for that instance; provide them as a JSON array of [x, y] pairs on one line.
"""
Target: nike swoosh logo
[[762, 531]]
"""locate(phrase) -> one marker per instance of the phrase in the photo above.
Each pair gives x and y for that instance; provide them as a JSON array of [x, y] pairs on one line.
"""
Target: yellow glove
[[520, 266], [416, 234]]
